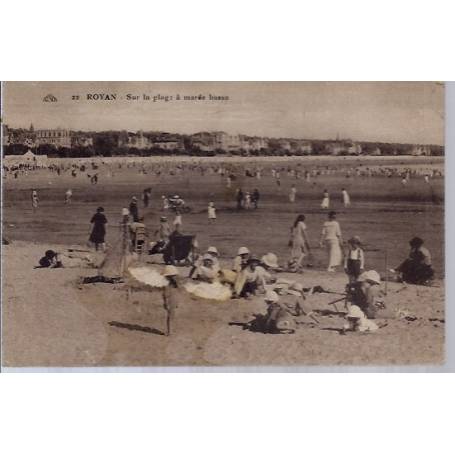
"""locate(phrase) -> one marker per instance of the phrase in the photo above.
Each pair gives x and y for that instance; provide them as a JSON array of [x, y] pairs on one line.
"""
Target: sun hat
[[355, 313], [271, 296], [243, 250], [270, 260], [370, 275], [207, 257], [170, 270], [163, 218], [212, 249]]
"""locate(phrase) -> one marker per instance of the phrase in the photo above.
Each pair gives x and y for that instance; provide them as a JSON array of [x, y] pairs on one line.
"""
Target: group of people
[[247, 200]]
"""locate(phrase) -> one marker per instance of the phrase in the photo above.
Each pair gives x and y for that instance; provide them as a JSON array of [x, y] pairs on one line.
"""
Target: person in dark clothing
[[416, 269], [98, 233], [49, 260], [146, 197], [134, 209], [255, 198], [239, 198]]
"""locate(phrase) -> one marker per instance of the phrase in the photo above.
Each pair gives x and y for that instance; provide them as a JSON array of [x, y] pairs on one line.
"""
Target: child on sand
[[325, 204], [211, 210], [354, 261]]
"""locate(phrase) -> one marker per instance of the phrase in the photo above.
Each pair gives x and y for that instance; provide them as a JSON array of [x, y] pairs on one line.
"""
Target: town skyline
[[391, 112]]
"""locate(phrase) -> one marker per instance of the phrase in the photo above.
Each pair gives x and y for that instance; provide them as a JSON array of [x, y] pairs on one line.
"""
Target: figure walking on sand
[[299, 243], [68, 196], [346, 198], [211, 211], [331, 237], [292, 194], [34, 200], [325, 204], [97, 236]]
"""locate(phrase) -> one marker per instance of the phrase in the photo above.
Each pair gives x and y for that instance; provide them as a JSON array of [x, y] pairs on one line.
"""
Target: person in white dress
[[247, 200], [299, 243], [325, 204], [68, 196], [34, 200], [292, 194], [177, 221], [331, 237], [346, 198], [211, 210]]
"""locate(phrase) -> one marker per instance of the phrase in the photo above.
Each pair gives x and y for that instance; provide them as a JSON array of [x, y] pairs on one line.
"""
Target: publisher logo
[[50, 98]]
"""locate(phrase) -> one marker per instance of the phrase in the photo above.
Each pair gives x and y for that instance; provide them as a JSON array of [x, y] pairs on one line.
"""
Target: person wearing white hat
[[358, 322], [270, 262], [366, 293], [249, 280], [170, 295], [206, 270], [240, 261], [278, 319]]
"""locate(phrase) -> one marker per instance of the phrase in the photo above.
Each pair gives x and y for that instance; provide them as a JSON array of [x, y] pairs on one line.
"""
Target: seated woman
[[241, 260], [416, 269], [365, 293], [250, 280], [207, 270]]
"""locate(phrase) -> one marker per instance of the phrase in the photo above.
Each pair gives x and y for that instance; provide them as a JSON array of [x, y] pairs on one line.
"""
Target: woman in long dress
[[331, 237], [346, 198], [292, 194], [299, 242], [98, 233], [325, 200]]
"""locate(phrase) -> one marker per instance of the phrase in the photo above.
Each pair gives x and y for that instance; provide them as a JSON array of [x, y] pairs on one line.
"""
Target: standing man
[[239, 198], [255, 198]]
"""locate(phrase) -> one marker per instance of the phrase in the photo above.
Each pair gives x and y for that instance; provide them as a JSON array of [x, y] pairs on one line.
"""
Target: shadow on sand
[[140, 328]]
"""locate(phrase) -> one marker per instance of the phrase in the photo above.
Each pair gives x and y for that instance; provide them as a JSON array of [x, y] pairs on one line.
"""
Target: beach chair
[[140, 238], [180, 248]]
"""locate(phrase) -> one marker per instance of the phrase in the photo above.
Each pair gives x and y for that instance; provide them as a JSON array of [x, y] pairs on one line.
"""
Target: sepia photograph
[[223, 224]]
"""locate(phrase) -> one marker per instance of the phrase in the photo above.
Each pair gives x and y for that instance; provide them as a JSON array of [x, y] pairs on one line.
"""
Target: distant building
[[421, 150], [56, 137], [343, 148], [335, 148], [81, 141], [167, 145], [26, 158]]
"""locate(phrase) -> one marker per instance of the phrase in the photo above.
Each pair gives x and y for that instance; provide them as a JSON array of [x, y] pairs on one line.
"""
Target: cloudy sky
[[375, 111]]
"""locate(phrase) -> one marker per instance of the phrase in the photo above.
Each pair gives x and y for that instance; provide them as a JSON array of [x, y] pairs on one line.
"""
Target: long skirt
[[334, 251], [325, 203]]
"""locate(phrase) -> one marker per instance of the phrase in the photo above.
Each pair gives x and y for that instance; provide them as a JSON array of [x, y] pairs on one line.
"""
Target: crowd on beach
[[246, 275], [249, 275]]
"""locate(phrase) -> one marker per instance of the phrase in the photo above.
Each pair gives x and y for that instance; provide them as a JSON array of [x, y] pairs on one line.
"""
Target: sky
[[406, 112]]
